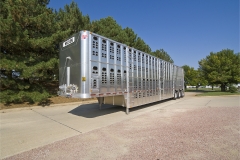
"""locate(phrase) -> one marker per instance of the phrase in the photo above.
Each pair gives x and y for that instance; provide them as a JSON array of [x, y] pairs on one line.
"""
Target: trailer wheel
[[182, 93], [175, 95], [179, 94]]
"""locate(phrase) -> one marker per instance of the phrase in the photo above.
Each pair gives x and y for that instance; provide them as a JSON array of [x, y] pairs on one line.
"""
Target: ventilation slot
[[95, 70], [139, 68], [111, 48], [118, 49], [95, 44], [119, 77], [124, 54], [124, 77], [135, 87], [135, 56], [143, 70], [94, 85], [139, 95], [111, 57], [104, 55], [104, 76], [143, 83], [95, 53], [104, 46], [112, 76], [130, 56], [139, 57], [135, 95]]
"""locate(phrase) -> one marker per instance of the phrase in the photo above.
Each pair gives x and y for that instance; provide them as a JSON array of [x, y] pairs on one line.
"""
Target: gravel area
[[204, 133]]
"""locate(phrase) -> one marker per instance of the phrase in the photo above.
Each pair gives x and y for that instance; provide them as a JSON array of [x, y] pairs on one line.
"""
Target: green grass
[[210, 92], [217, 93]]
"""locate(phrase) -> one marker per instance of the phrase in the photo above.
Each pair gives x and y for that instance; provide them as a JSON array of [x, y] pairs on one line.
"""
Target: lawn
[[210, 92]]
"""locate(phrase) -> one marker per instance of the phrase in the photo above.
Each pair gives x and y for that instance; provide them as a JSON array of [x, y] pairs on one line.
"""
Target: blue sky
[[188, 30]]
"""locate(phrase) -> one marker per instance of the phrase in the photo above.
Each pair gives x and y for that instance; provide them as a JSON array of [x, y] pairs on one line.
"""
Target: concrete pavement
[[25, 129]]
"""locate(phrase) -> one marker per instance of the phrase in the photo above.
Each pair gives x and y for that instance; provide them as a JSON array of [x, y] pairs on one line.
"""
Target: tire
[[175, 96], [182, 93], [179, 94]]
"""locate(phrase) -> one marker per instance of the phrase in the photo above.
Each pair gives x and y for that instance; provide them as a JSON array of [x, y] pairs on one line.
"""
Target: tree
[[29, 40], [131, 37], [109, 28], [71, 19], [142, 46], [29, 44], [163, 55], [193, 77], [190, 76], [221, 68]]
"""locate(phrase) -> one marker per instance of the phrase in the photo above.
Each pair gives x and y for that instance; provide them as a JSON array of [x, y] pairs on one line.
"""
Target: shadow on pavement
[[92, 110]]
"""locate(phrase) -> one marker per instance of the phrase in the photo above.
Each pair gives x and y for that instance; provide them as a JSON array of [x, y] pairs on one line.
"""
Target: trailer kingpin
[[95, 66]]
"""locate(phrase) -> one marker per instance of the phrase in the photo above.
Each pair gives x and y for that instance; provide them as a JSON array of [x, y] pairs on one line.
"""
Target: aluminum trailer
[[95, 66]]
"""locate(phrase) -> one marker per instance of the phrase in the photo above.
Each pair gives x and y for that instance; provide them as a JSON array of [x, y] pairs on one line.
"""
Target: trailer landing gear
[[127, 110]]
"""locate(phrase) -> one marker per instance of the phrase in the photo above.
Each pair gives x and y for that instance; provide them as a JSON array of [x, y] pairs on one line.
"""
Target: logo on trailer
[[71, 40], [84, 36]]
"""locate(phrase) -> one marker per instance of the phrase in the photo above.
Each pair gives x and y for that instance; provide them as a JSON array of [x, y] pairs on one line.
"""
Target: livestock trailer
[[95, 66]]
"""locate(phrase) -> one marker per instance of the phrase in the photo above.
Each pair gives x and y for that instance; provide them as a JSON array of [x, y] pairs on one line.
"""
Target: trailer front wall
[[70, 56]]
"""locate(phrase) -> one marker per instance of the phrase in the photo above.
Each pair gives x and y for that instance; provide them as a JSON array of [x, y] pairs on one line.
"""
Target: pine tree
[[29, 46], [109, 28], [72, 20], [131, 37], [142, 46], [163, 55]]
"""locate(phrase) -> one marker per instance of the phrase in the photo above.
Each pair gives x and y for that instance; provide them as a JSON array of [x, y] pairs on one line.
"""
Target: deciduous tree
[[222, 67]]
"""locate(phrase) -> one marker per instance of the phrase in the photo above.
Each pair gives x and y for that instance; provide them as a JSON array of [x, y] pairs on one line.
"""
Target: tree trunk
[[223, 88]]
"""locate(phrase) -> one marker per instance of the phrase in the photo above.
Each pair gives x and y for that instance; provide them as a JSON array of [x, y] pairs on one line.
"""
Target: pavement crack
[[56, 121], [207, 102]]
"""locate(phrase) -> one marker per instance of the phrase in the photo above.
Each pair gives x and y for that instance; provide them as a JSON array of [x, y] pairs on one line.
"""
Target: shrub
[[233, 89], [32, 96]]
